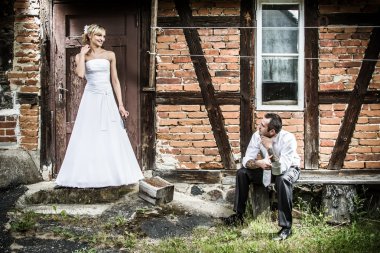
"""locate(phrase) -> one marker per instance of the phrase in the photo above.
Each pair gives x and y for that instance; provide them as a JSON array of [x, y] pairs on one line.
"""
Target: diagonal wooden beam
[[356, 101], [205, 83]]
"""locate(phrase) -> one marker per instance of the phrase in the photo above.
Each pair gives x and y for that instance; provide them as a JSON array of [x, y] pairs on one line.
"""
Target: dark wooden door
[[120, 19]]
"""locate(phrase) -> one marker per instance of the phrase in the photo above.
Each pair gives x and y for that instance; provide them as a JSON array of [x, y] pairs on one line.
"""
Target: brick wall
[[184, 136], [24, 75], [7, 129], [341, 51]]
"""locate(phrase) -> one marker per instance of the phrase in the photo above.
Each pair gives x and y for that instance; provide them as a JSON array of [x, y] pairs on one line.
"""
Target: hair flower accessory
[[86, 28]]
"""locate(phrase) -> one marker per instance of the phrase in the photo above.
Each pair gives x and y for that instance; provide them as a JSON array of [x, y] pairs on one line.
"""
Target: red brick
[[330, 121], [168, 66], [168, 108], [351, 43], [231, 115], [366, 142], [331, 86], [201, 129], [188, 165], [7, 124], [354, 165], [8, 139], [365, 135], [168, 81], [31, 26], [204, 144], [327, 143], [197, 115], [166, 38], [190, 108], [168, 122], [29, 146], [188, 122], [372, 165], [328, 135], [183, 158], [359, 149], [192, 151], [211, 151], [368, 157], [11, 132], [367, 128], [180, 144], [180, 129], [202, 158], [192, 136]]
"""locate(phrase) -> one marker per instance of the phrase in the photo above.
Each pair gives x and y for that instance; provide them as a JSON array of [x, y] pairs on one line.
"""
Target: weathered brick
[[180, 143], [204, 144], [354, 165], [8, 139], [7, 124], [372, 165]]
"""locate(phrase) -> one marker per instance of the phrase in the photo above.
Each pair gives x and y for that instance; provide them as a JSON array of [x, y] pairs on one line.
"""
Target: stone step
[[44, 193]]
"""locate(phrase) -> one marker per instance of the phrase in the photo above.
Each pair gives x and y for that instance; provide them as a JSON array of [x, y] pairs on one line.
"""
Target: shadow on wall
[[6, 51]]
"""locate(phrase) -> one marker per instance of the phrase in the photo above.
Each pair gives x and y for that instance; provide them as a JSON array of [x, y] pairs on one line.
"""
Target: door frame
[[146, 116]]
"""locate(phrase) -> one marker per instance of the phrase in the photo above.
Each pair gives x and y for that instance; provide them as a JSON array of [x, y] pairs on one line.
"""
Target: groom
[[278, 149]]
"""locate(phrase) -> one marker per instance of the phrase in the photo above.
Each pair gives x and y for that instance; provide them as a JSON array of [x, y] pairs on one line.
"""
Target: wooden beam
[[195, 98], [205, 83], [246, 49], [344, 176], [47, 90], [356, 101], [201, 21], [152, 65], [311, 126], [323, 176], [333, 97], [148, 130], [190, 176], [348, 19]]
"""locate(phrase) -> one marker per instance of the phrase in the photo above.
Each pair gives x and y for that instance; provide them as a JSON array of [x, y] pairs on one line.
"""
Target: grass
[[311, 233]]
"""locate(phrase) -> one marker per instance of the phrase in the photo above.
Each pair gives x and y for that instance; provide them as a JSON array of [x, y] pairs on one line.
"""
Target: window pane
[[280, 28], [280, 80]]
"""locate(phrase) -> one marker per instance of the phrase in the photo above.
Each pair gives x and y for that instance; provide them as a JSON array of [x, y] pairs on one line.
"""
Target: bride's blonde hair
[[90, 30]]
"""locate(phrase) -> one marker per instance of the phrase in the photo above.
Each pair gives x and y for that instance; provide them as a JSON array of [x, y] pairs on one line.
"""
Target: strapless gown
[[99, 153]]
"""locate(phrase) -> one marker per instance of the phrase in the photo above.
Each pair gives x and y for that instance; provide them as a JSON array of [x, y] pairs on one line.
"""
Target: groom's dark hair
[[275, 122]]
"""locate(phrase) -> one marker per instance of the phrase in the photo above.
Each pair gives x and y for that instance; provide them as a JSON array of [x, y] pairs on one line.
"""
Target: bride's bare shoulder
[[109, 54]]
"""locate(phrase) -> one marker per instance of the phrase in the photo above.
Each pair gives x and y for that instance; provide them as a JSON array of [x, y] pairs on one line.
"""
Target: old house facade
[[198, 76]]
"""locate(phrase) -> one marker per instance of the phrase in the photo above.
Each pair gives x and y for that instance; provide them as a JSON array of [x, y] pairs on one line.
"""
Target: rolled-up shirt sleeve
[[253, 149]]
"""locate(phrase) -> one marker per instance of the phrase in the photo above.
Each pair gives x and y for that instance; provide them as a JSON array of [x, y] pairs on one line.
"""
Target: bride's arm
[[116, 85], [80, 61]]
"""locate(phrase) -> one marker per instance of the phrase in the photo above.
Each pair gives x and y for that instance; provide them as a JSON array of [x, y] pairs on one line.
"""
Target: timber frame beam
[[246, 90], [205, 83], [311, 128]]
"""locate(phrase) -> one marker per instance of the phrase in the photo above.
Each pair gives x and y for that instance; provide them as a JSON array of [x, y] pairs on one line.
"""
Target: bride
[[99, 153]]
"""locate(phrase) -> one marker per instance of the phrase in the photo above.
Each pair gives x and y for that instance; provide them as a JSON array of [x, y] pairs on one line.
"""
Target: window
[[280, 54]]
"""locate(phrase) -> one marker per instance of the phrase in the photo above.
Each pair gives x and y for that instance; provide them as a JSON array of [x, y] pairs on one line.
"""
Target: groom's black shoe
[[283, 234], [233, 220]]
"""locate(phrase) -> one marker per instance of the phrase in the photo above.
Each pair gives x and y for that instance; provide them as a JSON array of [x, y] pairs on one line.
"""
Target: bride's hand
[[124, 113], [84, 50]]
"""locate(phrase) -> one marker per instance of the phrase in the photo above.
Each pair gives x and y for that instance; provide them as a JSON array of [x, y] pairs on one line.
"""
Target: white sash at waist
[[106, 114]]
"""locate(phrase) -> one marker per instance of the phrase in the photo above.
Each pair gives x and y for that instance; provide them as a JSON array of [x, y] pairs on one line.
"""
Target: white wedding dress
[[99, 153]]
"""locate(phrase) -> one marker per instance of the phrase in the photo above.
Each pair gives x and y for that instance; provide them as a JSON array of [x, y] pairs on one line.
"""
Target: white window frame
[[301, 53]]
